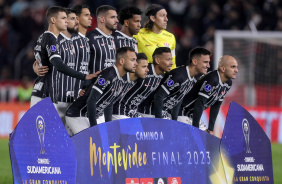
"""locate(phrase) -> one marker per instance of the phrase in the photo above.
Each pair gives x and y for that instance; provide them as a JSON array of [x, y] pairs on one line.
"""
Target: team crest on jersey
[[207, 88], [170, 83], [53, 48], [101, 81], [166, 44]]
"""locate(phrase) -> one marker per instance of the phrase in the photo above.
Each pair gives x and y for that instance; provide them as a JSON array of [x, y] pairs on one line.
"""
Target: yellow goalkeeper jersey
[[148, 41]]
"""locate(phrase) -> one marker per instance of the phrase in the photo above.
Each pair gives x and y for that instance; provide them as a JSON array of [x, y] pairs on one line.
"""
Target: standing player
[[131, 78], [128, 105], [47, 52], [130, 19], [154, 35], [209, 91], [102, 46], [81, 44], [178, 82], [102, 93]]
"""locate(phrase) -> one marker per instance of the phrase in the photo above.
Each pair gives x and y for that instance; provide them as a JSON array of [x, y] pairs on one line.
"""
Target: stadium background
[[194, 23]]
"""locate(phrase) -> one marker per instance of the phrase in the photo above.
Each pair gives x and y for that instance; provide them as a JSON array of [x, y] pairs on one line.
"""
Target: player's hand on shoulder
[[90, 76]]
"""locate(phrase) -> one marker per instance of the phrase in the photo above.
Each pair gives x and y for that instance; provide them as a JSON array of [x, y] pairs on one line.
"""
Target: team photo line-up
[[108, 74]]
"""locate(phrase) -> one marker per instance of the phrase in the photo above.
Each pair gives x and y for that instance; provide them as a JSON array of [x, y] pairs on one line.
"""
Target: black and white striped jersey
[[122, 40], [208, 86], [47, 47], [82, 50], [102, 50], [127, 86], [129, 103], [65, 83], [176, 83], [109, 84]]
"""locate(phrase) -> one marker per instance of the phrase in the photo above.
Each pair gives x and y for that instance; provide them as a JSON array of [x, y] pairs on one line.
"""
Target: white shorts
[[146, 115], [100, 120], [34, 100], [117, 117], [77, 124], [187, 120]]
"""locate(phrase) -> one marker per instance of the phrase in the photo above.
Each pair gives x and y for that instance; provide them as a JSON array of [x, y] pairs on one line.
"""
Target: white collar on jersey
[[128, 78], [219, 79], [108, 36], [64, 36], [51, 33], [154, 72], [188, 73], [117, 72], [82, 35], [124, 35]]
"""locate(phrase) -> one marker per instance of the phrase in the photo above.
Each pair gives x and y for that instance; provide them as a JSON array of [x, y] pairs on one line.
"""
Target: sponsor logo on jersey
[[146, 181], [174, 180], [207, 88], [170, 83], [147, 45], [101, 81], [132, 180], [53, 48]]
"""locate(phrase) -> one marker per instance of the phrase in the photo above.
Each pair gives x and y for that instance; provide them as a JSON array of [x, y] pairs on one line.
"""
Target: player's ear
[[53, 20], [126, 23], [121, 61], [102, 19], [222, 69], [157, 60], [194, 61], [153, 18]]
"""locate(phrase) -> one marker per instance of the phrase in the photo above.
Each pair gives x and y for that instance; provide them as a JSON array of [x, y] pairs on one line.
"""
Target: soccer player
[[178, 82], [130, 19], [102, 46], [81, 45], [47, 52], [209, 91], [131, 78], [154, 35], [102, 93], [128, 105]]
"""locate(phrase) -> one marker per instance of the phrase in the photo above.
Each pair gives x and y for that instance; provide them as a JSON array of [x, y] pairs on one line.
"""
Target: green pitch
[[6, 171]]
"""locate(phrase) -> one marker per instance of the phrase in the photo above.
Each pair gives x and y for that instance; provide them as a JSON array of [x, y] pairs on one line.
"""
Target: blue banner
[[40, 148], [245, 148], [147, 150]]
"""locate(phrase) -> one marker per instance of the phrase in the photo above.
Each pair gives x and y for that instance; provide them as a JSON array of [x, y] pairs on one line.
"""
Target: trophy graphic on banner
[[40, 126], [246, 132]]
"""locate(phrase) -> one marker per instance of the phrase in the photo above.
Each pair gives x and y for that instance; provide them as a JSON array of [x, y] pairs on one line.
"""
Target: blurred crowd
[[193, 22]]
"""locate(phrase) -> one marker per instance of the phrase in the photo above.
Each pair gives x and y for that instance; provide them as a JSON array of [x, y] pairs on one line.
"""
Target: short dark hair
[[127, 13], [69, 11], [141, 56], [78, 8], [197, 52], [123, 50], [151, 10], [103, 9], [53, 11], [159, 51]]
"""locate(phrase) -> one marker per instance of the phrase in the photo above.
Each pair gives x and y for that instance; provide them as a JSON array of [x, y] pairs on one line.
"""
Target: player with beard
[[131, 80], [47, 52], [102, 46], [209, 91], [143, 88], [101, 93], [179, 82], [130, 19]]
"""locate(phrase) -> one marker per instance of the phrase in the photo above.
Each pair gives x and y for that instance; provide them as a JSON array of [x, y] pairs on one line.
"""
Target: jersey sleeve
[[52, 47], [103, 80], [170, 83], [207, 87]]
